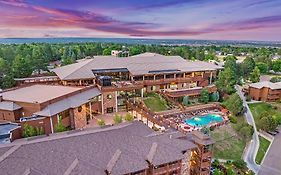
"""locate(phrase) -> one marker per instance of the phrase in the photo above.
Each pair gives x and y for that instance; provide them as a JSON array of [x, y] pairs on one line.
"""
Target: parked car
[[272, 133]]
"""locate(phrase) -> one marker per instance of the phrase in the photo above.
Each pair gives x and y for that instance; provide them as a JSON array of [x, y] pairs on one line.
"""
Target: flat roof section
[[38, 93]]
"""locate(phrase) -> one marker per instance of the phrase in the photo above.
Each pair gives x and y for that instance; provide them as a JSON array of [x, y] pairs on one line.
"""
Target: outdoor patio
[[107, 118]]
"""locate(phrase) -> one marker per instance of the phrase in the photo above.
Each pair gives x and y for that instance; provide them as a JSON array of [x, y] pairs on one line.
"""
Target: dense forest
[[24, 60]]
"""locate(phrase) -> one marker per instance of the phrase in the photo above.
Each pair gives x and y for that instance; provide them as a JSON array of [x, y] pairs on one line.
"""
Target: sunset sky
[[179, 19]]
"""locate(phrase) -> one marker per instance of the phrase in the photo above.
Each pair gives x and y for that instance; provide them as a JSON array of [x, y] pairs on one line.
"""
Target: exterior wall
[[44, 123], [28, 108], [109, 102], [80, 119], [264, 94], [8, 115]]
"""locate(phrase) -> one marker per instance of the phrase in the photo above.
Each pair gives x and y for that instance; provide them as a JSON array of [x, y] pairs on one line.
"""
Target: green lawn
[[229, 144], [269, 108], [264, 144], [155, 103]]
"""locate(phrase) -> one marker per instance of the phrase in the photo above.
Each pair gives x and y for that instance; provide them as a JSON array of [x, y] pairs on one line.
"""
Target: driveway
[[252, 149], [271, 165]]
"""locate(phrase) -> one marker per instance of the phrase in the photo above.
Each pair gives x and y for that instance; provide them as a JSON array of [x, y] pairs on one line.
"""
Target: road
[[272, 161], [251, 152]]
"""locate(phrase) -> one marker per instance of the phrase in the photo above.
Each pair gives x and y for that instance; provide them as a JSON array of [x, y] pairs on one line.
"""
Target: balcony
[[189, 91], [169, 80], [121, 86]]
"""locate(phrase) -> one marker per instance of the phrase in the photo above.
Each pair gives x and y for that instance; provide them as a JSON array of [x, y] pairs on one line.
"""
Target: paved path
[[252, 149], [271, 164]]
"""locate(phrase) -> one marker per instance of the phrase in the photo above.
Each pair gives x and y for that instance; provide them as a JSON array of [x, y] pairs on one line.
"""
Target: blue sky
[[180, 19]]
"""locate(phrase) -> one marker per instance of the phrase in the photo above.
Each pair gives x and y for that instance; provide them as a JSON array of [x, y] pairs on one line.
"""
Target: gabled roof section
[[137, 65], [74, 70], [266, 84], [9, 106]]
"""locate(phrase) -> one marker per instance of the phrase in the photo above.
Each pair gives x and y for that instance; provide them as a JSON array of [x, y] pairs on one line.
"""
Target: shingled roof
[[137, 65], [120, 149]]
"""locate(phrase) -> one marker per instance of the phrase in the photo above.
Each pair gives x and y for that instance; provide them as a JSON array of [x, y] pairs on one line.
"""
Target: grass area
[[155, 102], [229, 144], [264, 144], [269, 108]]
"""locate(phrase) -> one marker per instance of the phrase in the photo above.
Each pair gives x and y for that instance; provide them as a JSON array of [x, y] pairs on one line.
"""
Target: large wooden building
[[125, 149], [42, 105], [265, 91]]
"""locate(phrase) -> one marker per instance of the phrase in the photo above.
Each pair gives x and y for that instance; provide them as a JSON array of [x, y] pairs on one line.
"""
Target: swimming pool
[[204, 120]]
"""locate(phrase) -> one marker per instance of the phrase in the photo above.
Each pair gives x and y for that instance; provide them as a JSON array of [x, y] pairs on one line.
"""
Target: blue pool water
[[203, 120]]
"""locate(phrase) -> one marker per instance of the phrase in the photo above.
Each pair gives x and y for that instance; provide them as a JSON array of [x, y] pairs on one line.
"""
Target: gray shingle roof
[[137, 65], [70, 102], [9, 106], [94, 149], [267, 84]]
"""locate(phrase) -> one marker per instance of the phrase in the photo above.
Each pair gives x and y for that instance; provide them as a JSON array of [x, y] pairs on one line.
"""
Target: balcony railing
[[190, 91]]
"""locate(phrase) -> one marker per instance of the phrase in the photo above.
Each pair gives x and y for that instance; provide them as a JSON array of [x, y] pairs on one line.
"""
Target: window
[[109, 97], [109, 110], [79, 108]]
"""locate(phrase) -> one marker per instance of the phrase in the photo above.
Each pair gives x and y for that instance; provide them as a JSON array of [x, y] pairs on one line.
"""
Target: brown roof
[[137, 65], [120, 149], [38, 93]]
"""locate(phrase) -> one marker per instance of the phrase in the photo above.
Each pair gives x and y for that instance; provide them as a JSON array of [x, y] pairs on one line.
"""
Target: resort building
[[265, 91], [118, 78], [126, 149], [42, 105]]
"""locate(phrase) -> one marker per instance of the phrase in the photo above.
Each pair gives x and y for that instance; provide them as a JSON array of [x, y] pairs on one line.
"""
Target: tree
[[248, 66], [226, 81], [255, 75], [204, 95], [39, 61], [128, 117], [60, 127], [218, 172], [7, 82], [234, 104], [21, 67], [215, 96], [276, 65], [185, 100], [117, 119], [230, 171], [263, 67], [230, 62], [106, 52], [267, 123]]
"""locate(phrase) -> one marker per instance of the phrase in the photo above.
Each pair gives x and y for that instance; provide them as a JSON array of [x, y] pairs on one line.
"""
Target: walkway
[[252, 149]]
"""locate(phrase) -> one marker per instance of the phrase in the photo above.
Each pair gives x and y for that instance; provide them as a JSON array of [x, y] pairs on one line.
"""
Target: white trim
[[102, 108], [52, 127], [116, 100]]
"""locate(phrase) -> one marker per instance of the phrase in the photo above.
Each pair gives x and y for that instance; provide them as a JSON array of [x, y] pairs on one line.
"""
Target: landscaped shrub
[[248, 98], [277, 118], [212, 128], [234, 104], [59, 127], [185, 100], [101, 122], [128, 117], [28, 131], [215, 97], [233, 119], [117, 119], [240, 164], [204, 96], [39, 130]]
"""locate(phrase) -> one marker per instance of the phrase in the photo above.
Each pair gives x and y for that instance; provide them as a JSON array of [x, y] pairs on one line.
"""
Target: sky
[[169, 19]]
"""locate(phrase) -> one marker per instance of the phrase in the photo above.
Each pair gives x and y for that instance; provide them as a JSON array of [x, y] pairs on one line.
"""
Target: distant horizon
[[141, 38], [247, 20]]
